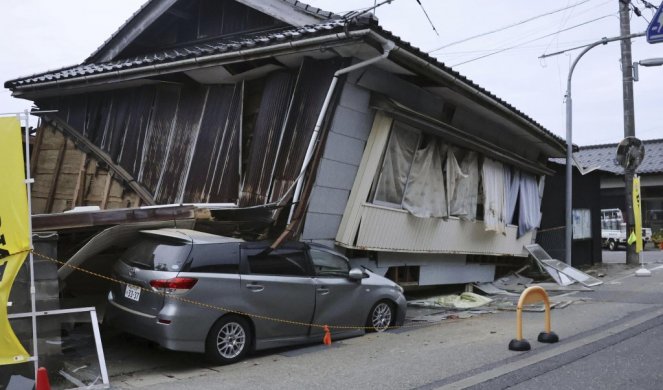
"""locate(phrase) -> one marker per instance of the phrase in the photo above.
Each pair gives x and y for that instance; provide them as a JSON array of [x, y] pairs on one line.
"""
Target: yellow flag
[[11, 350], [14, 230], [637, 214]]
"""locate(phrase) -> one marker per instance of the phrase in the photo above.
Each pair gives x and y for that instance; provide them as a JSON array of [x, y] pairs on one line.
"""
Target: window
[[215, 258], [282, 262], [403, 143], [157, 255], [328, 264]]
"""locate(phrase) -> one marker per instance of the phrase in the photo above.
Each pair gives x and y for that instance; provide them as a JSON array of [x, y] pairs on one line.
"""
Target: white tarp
[[397, 161], [463, 203], [530, 204], [454, 177], [424, 193], [492, 173]]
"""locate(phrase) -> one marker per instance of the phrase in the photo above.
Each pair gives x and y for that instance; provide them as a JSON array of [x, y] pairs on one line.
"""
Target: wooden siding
[[175, 143], [66, 177]]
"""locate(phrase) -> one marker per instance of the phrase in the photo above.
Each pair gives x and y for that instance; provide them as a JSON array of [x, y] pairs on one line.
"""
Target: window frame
[[249, 251], [331, 253]]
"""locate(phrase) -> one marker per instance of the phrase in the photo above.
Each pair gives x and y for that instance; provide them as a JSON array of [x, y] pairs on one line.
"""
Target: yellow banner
[[637, 212], [11, 350], [14, 230]]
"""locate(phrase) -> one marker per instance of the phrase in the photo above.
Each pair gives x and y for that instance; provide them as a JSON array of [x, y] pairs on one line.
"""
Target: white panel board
[[386, 229]]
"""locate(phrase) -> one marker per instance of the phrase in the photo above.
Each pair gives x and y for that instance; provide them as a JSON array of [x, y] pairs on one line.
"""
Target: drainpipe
[[387, 46]]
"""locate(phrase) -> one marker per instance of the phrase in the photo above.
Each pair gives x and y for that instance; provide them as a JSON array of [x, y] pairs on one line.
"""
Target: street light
[[647, 62], [569, 132]]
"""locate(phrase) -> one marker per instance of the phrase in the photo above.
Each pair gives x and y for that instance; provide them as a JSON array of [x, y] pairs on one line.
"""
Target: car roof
[[192, 236]]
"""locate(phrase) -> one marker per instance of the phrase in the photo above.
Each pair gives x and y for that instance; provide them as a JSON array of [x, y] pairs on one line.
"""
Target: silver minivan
[[192, 291]]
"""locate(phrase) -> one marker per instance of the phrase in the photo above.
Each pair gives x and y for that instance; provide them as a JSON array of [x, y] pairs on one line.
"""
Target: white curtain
[[494, 192], [463, 202], [424, 192], [530, 204], [397, 160]]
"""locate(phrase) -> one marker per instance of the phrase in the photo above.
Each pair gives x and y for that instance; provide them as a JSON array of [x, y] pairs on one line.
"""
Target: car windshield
[[158, 255]]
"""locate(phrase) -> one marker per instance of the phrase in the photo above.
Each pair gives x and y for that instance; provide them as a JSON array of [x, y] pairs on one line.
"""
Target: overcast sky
[[38, 35]]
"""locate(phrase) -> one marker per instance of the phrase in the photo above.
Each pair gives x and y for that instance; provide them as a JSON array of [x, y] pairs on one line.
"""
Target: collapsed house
[[273, 118]]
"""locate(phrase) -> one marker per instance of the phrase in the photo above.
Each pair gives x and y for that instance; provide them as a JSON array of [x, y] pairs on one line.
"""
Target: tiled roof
[[303, 7], [296, 5], [198, 50], [604, 156], [201, 50]]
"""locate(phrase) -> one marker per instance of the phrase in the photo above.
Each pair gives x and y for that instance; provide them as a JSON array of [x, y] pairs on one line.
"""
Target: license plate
[[132, 292]]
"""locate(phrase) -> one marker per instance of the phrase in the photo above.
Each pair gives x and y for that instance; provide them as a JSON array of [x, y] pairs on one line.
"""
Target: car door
[[278, 289], [339, 300]]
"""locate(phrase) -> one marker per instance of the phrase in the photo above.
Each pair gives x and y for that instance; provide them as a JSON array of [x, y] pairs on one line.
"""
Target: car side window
[[281, 262], [329, 264], [215, 258]]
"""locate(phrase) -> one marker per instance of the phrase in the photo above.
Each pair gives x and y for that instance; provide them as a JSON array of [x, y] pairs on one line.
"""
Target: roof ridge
[[600, 146]]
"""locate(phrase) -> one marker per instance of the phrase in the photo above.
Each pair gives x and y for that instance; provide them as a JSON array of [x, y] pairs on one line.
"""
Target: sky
[[39, 35]]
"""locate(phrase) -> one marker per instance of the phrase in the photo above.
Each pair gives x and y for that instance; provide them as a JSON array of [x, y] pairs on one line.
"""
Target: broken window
[[423, 174], [530, 204], [396, 165]]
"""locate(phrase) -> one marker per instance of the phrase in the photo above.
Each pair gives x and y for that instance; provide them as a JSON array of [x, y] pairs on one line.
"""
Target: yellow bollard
[[532, 295]]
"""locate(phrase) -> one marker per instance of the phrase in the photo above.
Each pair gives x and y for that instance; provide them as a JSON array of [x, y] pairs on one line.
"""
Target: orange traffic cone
[[327, 339], [42, 379]]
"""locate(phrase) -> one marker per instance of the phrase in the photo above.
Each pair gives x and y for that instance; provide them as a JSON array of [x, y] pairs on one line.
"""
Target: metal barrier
[[532, 295]]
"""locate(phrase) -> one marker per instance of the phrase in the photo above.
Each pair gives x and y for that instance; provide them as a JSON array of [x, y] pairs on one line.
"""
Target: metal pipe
[[387, 46], [33, 291]]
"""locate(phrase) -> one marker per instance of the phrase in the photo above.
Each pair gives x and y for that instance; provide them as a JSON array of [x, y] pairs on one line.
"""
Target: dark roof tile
[[604, 156], [250, 40]]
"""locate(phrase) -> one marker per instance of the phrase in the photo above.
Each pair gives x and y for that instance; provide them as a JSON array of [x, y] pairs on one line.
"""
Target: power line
[[427, 17], [533, 40], [649, 5], [508, 26]]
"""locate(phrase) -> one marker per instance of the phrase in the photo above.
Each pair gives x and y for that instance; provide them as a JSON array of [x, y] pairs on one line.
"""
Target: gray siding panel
[[321, 226], [328, 200], [344, 149], [351, 122], [334, 174], [355, 98], [349, 130]]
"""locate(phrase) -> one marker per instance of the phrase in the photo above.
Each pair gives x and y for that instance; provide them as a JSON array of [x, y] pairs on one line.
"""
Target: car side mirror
[[357, 274]]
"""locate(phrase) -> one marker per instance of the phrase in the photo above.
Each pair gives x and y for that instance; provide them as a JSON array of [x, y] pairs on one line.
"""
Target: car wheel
[[612, 245], [229, 340], [380, 317]]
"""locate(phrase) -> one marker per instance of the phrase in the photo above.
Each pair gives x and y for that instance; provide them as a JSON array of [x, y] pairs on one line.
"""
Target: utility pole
[[629, 120]]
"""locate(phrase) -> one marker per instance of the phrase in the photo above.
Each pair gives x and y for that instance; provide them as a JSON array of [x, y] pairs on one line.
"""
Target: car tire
[[381, 317], [229, 340], [612, 245]]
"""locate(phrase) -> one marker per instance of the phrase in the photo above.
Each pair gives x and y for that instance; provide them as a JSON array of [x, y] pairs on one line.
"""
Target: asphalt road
[[649, 255], [634, 361]]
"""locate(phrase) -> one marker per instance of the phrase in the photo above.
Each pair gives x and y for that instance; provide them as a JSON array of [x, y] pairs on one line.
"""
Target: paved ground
[[649, 255], [446, 353]]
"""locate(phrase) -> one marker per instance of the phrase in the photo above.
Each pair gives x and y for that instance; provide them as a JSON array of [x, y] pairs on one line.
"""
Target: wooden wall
[[66, 177]]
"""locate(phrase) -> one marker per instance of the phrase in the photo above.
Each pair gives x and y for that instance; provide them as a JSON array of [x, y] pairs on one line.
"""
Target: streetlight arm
[[569, 139], [651, 62]]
